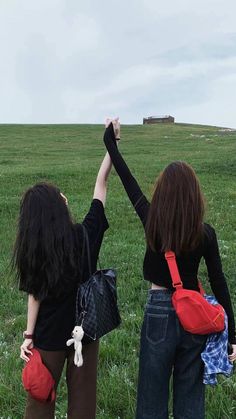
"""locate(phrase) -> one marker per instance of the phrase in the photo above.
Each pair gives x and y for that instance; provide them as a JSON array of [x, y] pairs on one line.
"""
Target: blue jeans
[[167, 348]]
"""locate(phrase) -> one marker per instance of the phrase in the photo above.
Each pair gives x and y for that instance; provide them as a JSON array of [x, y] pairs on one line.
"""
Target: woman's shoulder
[[96, 209], [95, 212], [77, 234], [209, 233], [95, 222]]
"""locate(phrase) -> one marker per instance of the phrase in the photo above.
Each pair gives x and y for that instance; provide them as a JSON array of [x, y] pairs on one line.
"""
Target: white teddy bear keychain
[[77, 336]]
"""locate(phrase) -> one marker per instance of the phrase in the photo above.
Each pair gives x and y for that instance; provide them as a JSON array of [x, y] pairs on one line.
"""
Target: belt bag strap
[[174, 272], [173, 268]]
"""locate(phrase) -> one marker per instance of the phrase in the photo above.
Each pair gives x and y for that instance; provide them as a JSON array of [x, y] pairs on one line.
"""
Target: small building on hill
[[158, 119]]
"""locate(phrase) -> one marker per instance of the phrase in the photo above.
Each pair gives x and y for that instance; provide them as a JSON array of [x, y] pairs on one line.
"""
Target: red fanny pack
[[195, 314]]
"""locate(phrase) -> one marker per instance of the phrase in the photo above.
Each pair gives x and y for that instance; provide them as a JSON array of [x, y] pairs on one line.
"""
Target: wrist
[[110, 132], [27, 335]]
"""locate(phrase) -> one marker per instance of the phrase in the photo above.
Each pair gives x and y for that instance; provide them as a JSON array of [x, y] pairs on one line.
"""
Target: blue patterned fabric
[[215, 354]]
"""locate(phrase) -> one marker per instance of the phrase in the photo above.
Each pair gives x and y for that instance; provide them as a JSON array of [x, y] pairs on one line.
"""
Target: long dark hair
[[175, 219], [45, 255]]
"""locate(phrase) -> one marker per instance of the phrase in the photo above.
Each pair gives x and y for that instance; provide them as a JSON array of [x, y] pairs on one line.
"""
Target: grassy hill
[[69, 155]]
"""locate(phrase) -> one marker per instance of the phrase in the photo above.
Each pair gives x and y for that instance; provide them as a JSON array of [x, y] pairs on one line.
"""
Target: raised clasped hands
[[116, 126]]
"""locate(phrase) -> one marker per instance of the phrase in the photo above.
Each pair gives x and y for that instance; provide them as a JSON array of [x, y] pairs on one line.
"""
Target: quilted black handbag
[[96, 302]]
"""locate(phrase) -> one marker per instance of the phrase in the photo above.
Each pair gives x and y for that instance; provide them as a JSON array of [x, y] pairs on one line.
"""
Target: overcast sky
[[74, 61]]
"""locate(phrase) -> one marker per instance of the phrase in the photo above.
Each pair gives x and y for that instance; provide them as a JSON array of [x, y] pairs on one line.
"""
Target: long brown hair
[[175, 218]]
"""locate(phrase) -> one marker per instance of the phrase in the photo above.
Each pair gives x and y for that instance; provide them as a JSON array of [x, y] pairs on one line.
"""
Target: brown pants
[[81, 384]]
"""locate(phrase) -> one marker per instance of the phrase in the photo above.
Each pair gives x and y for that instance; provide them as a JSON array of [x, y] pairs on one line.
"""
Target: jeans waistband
[[159, 295]]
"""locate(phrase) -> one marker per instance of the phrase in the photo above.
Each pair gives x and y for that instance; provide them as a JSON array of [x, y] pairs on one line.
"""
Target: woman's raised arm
[[100, 189], [130, 184]]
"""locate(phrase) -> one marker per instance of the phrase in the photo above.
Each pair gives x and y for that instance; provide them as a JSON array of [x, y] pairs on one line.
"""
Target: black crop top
[[155, 268]]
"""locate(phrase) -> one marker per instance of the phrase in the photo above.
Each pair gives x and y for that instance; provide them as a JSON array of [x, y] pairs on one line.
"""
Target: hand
[[25, 349], [116, 126], [232, 356]]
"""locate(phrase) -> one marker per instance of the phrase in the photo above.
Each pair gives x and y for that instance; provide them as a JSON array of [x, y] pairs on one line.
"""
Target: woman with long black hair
[[172, 221], [48, 261]]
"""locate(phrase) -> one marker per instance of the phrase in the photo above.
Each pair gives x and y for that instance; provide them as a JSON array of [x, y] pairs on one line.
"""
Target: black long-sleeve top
[[155, 268]]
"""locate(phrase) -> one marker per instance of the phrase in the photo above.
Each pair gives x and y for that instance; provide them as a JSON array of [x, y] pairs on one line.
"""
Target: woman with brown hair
[[172, 221]]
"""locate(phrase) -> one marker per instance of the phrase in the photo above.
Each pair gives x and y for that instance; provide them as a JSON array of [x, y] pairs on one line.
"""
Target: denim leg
[[157, 352], [188, 387]]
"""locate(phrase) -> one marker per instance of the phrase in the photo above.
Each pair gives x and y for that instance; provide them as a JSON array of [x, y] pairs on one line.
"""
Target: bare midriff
[[157, 287]]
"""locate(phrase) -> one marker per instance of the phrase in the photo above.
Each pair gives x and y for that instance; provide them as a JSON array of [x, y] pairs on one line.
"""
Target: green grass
[[70, 155]]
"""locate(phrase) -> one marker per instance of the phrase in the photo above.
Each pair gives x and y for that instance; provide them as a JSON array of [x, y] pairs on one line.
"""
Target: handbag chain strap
[[80, 317], [86, 244]]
